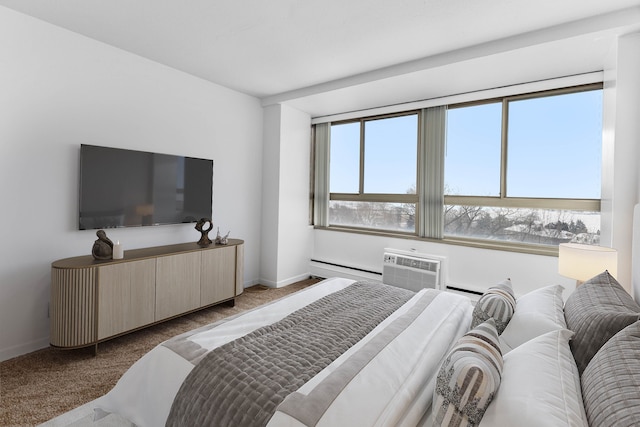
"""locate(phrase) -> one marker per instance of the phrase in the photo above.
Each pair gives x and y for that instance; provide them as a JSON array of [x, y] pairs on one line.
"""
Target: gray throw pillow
[[611, 381], [596, 311]]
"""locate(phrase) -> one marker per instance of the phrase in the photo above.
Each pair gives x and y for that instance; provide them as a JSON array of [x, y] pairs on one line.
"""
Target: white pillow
[[540, 386], [536, 313]]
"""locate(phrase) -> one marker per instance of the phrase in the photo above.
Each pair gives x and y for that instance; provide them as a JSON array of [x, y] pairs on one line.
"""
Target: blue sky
[[389, 170], [544, 159]]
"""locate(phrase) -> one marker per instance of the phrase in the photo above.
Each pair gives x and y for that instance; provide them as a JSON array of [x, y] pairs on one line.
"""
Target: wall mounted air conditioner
[[411, 270]]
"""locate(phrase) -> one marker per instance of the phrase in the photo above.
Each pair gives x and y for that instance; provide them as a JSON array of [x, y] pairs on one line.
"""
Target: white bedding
[[394, 387]]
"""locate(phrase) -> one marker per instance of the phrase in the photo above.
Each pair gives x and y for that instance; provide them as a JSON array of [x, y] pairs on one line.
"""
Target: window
[[525, 169], [472, 160], [518, 170], [373, 173], [553, 140], [345, 158]]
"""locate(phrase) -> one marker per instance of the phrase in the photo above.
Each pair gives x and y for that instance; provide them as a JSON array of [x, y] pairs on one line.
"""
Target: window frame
[[504, 201], [361, 196], [577, 204]]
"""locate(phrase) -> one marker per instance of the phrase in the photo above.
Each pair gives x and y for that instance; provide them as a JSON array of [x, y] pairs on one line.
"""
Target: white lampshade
[[582, 262]]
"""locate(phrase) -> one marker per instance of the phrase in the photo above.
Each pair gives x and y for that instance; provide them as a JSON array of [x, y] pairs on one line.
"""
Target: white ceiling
[[332, 56]]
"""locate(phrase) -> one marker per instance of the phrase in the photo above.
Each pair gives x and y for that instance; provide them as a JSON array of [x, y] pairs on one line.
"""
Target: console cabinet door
[[218, 275], [126, 297], [143, 293], [177, 284]]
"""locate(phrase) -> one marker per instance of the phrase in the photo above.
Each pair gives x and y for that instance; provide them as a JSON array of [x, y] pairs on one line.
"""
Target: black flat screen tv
[[127, 188]]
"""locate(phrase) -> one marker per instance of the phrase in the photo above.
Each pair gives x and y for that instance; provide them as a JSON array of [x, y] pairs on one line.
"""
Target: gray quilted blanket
[[242, 383]]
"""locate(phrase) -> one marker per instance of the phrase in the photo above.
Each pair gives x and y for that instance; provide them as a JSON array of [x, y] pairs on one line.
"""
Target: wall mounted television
[[128, 188]]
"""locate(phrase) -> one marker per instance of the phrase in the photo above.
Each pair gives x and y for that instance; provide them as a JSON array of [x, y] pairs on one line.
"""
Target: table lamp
[[582, 262]]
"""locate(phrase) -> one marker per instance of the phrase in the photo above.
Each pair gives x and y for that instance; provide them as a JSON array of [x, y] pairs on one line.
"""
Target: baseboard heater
[[466, 291], [324, 269]]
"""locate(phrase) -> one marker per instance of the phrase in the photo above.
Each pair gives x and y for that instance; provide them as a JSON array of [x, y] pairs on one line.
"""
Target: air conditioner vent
[[414, 272], [418, 263]]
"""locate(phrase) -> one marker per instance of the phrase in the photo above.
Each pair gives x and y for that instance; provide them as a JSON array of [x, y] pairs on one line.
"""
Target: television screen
[[127, 188]]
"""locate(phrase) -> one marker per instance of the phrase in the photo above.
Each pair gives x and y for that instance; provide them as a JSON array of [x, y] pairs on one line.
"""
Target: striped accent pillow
[[596, 311], [497, 303], [505, 288], [468, 378], [611, 381]]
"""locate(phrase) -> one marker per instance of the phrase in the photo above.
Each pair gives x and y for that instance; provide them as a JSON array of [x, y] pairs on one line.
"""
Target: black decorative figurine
[[204, 240], [103, 247]]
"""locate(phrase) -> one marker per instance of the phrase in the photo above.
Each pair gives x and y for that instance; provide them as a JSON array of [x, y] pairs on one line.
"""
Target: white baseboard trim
[[285, 282], [22, 349]]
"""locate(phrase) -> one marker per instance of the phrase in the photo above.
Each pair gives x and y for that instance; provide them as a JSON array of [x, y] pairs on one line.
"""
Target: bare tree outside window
[[524, 225], [373, 215]]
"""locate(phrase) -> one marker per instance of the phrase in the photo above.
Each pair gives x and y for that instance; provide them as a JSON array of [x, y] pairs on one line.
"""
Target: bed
[[391, 369], [427, 358]]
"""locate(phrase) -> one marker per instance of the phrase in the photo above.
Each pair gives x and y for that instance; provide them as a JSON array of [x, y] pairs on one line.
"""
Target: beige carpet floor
[[42, 385]]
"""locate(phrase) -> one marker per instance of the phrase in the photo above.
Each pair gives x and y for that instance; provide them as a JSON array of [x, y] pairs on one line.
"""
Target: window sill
[[459, 241]]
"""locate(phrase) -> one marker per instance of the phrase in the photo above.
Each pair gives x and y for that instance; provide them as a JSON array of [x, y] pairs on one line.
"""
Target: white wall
[[621, 152], [626, 152], [59, 90], [624, 126], [270, 196], [295, 233], [286, 234]]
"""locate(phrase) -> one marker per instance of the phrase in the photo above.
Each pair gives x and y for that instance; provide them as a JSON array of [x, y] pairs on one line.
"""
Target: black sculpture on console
[[103, 247], [204, 240]]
